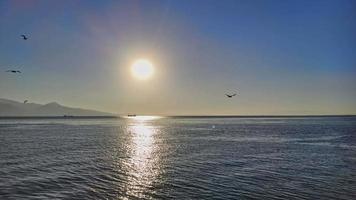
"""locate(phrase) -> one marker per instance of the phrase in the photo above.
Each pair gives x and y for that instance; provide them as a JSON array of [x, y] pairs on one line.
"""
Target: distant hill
[[10, 108]]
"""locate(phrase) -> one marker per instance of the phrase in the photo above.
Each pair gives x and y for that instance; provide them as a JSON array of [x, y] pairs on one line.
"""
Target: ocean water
[[178, 158]]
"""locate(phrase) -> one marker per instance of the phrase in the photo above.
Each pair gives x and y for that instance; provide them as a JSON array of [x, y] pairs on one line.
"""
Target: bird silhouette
[[24, 37], [230, 95], [13, 71]]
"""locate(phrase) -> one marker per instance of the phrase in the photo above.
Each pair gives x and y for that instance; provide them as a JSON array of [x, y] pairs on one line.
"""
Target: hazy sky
[[285, 57]]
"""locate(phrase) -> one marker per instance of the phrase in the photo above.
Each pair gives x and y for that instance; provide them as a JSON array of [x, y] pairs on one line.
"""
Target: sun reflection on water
[[143, 162]]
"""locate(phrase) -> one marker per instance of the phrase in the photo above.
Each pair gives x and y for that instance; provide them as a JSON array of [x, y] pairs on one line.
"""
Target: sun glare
[[142, 69]]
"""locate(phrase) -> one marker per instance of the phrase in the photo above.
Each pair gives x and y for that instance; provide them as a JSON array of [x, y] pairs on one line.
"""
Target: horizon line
[[184, 116]]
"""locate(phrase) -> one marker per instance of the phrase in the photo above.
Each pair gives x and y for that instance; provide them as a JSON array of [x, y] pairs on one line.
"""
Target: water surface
[[179, 158]]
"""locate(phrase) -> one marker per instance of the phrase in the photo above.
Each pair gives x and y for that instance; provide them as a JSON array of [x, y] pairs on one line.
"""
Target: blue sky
[[284, 57]]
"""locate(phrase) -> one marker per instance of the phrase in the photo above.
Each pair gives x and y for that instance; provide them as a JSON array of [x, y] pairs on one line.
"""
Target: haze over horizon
[[284, 57], [11, 108]]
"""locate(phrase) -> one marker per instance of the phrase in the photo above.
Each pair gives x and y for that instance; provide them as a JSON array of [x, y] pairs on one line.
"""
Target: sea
[[147, 157]]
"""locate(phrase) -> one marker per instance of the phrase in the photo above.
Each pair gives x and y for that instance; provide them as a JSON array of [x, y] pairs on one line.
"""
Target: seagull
[[230, 95], [14, 71], [25, 101], [24, 37]]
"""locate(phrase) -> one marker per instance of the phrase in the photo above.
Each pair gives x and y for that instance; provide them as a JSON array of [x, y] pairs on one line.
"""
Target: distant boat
[[131, 115]]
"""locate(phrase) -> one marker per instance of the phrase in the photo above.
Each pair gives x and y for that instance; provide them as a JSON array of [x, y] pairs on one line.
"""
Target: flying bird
[[14, 71], [25, 101], [24, 37], [230, 95]]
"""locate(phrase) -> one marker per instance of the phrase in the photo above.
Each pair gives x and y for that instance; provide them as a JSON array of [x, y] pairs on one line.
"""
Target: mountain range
[[11, 108]]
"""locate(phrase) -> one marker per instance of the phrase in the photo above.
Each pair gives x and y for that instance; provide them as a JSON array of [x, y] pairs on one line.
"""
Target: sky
[[284, 57]]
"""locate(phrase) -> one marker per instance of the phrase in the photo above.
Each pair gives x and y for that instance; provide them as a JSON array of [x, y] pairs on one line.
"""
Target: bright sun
[[142, 69]]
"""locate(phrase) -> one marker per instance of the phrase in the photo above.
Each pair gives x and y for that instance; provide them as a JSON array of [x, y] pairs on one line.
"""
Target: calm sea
[[178, 158]]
